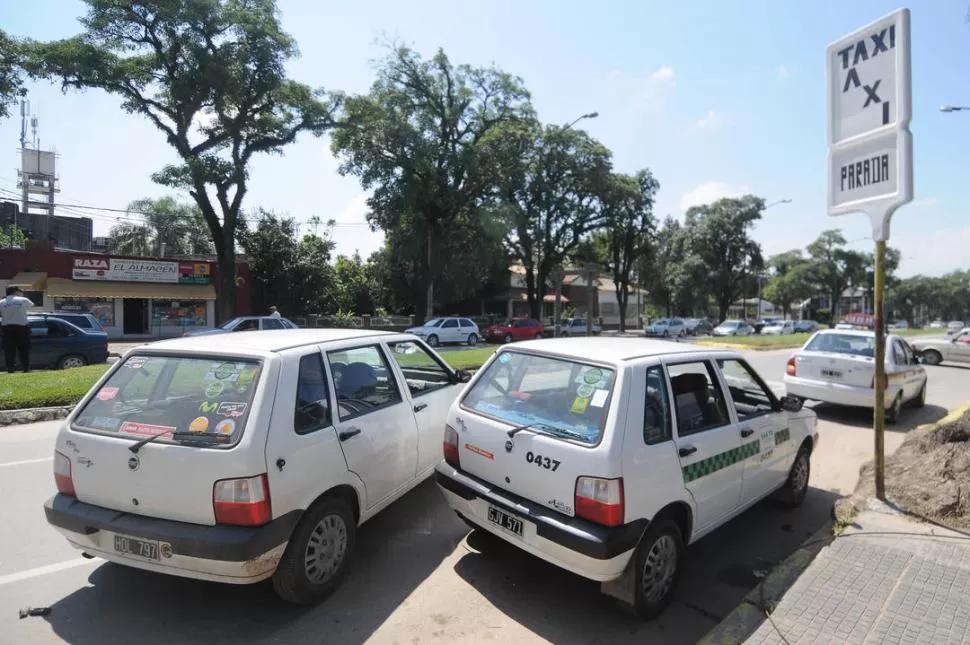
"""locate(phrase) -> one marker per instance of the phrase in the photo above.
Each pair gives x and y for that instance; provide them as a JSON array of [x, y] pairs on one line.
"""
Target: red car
[[515, 329]]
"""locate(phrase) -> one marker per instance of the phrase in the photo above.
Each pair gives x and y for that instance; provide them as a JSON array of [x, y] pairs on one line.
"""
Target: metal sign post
[[870, 160], [557, 275], [591, 272]]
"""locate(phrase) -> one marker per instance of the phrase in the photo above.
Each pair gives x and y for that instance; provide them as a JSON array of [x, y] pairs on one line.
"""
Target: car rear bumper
[[234, 554], [837, 393], [596, 552]]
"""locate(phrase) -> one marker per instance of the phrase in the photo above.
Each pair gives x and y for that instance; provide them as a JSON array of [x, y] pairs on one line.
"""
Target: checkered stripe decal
[[782, 436], [720, 461]]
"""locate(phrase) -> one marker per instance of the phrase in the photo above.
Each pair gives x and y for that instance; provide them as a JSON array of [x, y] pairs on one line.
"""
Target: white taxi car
[[838, 366], [606, 457], [246, 456]]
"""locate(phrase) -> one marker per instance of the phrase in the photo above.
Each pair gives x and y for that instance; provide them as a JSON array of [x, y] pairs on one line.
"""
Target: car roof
[[612, 349], [260, 343]]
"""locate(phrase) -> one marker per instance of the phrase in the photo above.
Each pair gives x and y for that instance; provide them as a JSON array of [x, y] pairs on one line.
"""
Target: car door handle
[[747, 432], [420, 406], [687, 451], [348, 433]]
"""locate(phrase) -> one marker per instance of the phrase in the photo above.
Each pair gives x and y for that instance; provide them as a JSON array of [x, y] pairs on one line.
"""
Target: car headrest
[[688, 383]]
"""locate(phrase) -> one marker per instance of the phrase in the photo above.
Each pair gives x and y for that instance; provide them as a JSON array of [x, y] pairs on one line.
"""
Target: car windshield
[[148, 395], [729, 324], [564, 397], [434, 322], [852, 344], [662, 321]]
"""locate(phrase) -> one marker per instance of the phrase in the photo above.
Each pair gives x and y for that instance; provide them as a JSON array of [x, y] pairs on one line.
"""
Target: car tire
[[793, 493], [539, 336], [71, 361], [658, 562], [472, 339], [433, 340], [932, 357], [920, 399], [666, 334], [328, 526], [895, 410], [507, 339]]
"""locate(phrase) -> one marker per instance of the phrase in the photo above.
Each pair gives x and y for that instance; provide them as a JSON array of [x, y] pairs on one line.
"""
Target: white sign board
[[121, 270], [870, 163]]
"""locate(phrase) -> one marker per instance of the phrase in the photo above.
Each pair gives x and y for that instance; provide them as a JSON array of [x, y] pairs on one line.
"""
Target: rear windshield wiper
[[545, 428], [197, 437]]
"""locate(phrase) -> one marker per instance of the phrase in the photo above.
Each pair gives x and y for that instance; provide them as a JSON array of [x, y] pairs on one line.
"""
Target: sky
[[716, 98]]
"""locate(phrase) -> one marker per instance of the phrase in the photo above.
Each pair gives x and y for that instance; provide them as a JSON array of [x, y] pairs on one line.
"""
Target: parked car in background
[[836, 366], [608, 457], [764, 322], [57, 344], [515, 329], [83, 321], [779, 328], [577, 327], [239, 459], [244, 323], [954, 327], [448, 330], [933, 351], [937, 324], [899, 324], [666, 328], [805, 326], [698, 326], [733, 328]]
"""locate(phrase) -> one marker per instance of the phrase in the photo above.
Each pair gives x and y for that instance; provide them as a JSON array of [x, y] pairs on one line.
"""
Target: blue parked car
[[57, 344]]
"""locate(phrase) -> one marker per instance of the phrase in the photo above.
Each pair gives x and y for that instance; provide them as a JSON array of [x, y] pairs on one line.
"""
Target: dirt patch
[[928, 475]]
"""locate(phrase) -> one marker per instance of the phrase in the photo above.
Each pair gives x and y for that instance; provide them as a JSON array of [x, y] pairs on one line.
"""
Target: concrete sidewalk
[[888, 579]]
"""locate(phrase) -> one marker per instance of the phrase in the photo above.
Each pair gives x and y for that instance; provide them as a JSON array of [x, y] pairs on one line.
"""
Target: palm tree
[[177, 226]]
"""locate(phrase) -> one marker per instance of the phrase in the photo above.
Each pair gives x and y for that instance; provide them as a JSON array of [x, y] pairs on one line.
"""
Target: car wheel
[[920, 399], [317, 554], [796, 486], [932, 357], [894, 410], [539, 336], [658, 561], [472, 339], [666, 334], [507, 339], [70, 361], [433, 340]]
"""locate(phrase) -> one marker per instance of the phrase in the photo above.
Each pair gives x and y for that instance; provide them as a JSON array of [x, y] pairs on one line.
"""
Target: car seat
[[694, 408], [357, 381]]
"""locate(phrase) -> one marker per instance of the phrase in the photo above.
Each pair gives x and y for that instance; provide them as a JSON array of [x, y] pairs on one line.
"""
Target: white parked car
[[838, 366], [667, 328], [242, 457], [733, 328], [954, 348], [606, 457], [779, 328], [954, 327], [438, 331]]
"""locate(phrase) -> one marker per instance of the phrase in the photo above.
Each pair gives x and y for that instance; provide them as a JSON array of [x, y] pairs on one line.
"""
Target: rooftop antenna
[[24, 110], [33, 127]]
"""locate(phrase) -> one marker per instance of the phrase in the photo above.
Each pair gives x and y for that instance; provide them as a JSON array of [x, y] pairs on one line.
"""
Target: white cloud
[[711, 121], [782, 73], [641, 92], [351, 233], [710, 191], [663, 75]]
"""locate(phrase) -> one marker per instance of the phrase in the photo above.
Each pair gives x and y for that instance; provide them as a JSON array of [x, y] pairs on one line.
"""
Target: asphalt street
[[418, 576]]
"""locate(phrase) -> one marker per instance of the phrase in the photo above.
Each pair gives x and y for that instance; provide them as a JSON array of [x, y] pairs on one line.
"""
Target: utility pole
[[558, 275], [590, 274], [429, 307]]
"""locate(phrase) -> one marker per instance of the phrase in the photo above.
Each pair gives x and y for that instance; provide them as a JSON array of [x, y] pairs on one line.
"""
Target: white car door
[[763, 427], [450, 331], [708, 443], [374, 421], [432, 388], [915, 374]]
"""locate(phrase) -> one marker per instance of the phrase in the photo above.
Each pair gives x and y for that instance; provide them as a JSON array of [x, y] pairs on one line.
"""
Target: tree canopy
[[166, 222]]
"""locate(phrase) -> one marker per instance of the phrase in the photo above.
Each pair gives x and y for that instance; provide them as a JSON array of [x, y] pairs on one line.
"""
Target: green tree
[[791, 280], [719, 235], [11, 72], [355, 289], [550, 190], [166, 222], [210, 75], [11, 236], [416, 140], [836, 268]]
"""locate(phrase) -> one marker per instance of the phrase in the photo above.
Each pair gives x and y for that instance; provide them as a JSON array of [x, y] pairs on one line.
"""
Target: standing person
[[273, 313], [15, 332]]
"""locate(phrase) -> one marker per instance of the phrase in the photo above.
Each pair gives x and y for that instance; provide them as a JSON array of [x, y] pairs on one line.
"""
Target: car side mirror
[[791, 403], [463, 375]]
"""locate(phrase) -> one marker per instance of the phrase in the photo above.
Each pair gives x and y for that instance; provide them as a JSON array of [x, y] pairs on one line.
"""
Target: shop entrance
[[136, 315]]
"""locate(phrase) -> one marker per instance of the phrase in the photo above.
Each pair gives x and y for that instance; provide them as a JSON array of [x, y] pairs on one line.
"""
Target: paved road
[[418, 577]]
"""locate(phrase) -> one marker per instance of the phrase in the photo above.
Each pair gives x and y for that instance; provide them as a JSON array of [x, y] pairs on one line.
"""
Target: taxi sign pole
[[870, 160]]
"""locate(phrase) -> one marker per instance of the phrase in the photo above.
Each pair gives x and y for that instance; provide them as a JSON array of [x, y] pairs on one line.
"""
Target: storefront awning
[[29, 281], [64, 288]]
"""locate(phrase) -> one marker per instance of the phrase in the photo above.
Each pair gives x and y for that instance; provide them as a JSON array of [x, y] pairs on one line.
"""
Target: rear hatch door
[[832, 367]]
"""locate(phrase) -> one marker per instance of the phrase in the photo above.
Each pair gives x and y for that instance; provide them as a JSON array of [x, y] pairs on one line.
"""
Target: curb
[[34, 415], [745, 619]]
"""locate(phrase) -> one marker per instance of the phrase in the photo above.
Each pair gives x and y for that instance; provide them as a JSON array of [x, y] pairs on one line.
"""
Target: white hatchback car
[[838, 366], [779, 328], [240, 457], [606, 457]]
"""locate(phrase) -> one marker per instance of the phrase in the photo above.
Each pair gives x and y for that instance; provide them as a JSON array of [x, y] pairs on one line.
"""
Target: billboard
[[129, 270]]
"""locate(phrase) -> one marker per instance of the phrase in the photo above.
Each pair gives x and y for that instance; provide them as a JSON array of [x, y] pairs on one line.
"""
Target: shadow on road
[[396, 551], [862, 417], [720, 570]]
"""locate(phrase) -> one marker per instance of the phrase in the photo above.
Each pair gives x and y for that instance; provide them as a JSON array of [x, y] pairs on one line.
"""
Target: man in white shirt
[[14, 330], [273, 313]]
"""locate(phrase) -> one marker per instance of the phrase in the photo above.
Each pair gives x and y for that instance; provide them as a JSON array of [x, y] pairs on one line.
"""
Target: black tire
[[433, 340], [539, 336], [473, 339], [292, 580], [507, 339], [932, 357], [895, 410], [666, 334], [920, 399], [793, 493], [662, 541], [71, 361]]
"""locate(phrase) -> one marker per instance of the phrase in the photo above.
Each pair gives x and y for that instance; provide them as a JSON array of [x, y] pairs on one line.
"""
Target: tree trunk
[[226, 295], [530, 291], [622, 297]]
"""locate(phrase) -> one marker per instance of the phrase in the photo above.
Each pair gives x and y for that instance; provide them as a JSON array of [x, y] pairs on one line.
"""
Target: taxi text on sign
[[870, 163]]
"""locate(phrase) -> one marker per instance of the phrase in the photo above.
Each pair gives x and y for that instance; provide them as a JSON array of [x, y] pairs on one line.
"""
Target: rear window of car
[[165, 395], [842, 344], [566, 398]]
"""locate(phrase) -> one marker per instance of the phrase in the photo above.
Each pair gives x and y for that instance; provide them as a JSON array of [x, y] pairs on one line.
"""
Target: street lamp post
[[761, 275], [588, 115], [954, 108]]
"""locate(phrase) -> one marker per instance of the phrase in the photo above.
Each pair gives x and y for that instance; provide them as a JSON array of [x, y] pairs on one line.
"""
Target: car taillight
[[242, 502], [790, 368], [62, 475], [600, 500], [450, 447]]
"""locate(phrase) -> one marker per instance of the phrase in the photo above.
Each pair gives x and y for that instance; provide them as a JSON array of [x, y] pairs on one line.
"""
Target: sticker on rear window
[[199, 424], [226, 426], [105, 423], [145, 429], [599, 398], [224, 371], [214, 389], [135, 362], [593, 376], [579, 405], [107, 393], [585, 390], [504, 358], [208, 407], [231, 409]]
